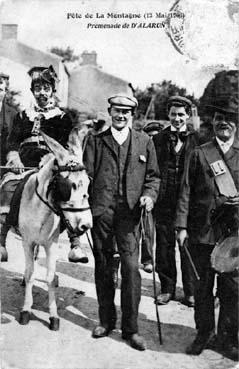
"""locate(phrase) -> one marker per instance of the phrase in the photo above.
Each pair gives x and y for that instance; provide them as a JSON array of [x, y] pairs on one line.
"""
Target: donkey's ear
[[56, 148], [75, 141]]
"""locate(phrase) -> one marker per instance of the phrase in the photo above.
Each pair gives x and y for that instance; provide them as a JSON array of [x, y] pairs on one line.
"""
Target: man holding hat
[[7, 114], [173, 146], [123, 167], [26, 147], [208, 213]]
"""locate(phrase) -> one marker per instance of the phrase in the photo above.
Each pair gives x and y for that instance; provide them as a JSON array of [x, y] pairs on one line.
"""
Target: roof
[[27, 55], [96, 69]]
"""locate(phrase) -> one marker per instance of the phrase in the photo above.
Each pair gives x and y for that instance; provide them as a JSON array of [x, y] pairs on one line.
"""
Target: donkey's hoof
[[56, 280], [54, 324], [23, 282], [24, 317]]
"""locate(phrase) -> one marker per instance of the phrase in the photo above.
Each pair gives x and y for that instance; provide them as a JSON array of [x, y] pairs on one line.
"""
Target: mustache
[[223, 125]]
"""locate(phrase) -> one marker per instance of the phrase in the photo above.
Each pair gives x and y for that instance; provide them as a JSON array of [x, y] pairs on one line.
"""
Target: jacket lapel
[[133, 155], [108, 140], [233, 149]]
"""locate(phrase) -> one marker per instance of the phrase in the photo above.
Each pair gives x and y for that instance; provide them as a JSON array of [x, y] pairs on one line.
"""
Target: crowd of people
[[186, 185]]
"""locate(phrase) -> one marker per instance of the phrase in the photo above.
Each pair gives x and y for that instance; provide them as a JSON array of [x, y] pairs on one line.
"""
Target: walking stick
[[145, 214], [190, 259]]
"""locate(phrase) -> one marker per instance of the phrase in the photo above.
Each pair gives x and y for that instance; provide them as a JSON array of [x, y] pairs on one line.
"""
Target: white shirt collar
[[120, 136], [182, 129], [225, 146]]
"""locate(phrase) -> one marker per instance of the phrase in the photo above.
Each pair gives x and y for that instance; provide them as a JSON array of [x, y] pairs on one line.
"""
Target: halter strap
[[58, 210]]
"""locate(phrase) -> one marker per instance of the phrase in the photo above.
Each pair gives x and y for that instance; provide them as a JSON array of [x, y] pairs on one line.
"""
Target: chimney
[[89, 58], [9, 31]]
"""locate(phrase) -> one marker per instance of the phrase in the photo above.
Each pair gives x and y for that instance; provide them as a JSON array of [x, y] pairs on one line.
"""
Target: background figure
[[7, 114], [26, 147], [208, 213], [173, 146], [206, 132], [123, 167]]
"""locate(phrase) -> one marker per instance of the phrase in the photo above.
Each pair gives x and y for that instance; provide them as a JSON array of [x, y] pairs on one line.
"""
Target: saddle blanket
[[11, 192]]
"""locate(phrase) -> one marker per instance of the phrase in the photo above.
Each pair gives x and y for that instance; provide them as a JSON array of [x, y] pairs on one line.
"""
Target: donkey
[[57, 194]]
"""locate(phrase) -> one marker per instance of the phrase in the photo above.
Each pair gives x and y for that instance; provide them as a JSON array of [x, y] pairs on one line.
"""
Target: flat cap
[[179, 101], [4, 75], [153, 126], [123, 101]]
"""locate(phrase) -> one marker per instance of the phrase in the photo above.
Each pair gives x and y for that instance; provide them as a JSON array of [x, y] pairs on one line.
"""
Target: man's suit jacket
[[199, 194], [7, 115], [162, 147], [142, 177]]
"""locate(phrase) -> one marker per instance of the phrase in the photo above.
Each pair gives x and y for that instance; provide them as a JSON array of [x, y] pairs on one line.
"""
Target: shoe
[[148, 268], [200, 343], [164, 298], [99, 331], [3, 254], [135, 341], [76, 255], [189, 301]]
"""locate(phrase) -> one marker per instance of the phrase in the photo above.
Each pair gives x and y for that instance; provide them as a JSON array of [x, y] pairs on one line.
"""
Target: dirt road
[[36, 347]]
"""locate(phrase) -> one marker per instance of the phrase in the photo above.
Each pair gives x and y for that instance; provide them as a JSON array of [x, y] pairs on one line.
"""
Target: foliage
[[158, 95], [67, 54]]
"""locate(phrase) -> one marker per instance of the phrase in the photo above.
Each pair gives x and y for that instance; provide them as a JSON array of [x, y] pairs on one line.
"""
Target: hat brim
[[215, 108], [123, 107]]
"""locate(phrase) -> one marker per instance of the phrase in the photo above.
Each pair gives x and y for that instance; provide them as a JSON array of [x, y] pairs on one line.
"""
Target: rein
[[72, 167]]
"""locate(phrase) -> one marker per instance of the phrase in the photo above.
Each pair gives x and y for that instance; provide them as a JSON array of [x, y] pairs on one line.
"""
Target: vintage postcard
[[147, 49]]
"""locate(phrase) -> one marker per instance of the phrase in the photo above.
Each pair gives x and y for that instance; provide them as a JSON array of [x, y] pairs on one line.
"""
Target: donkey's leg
[[29, 280], [51, 253]]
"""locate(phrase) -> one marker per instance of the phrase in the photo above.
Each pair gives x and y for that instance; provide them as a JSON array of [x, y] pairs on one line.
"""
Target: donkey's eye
[[74, 187]]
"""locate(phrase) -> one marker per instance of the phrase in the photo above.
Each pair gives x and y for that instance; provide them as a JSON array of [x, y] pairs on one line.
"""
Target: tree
[[153, 100], [67, 54]]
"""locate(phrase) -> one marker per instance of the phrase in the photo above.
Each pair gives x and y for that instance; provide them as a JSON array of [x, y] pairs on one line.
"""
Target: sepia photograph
[[119, 184]]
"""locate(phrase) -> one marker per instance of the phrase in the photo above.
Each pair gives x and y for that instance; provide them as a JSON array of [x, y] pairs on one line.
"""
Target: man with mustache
[[26, 147], [211, 182], [125, 178]]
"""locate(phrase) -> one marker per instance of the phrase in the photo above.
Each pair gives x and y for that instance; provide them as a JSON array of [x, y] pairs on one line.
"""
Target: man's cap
[[153, 126], [179, 101], [123, 101], [43, 73], [4, 76]]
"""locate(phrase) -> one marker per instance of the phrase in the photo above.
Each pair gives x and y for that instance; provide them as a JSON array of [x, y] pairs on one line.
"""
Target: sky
[[139, 55]]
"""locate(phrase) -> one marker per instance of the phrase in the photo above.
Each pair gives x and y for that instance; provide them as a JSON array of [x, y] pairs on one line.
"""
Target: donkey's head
[[69, 185]]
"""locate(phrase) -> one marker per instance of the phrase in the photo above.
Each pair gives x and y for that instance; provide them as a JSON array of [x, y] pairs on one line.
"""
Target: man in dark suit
[[205, 189], [173, 145], [7, 113], [123, 167]]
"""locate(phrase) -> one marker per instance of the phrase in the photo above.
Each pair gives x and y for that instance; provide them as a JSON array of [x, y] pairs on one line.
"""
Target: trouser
[[122, 224], [228, 284], [148, 240], [166, 261], [203, 293]]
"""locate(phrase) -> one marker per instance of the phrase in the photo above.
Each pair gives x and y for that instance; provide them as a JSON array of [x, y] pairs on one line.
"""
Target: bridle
[[55, 208]]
